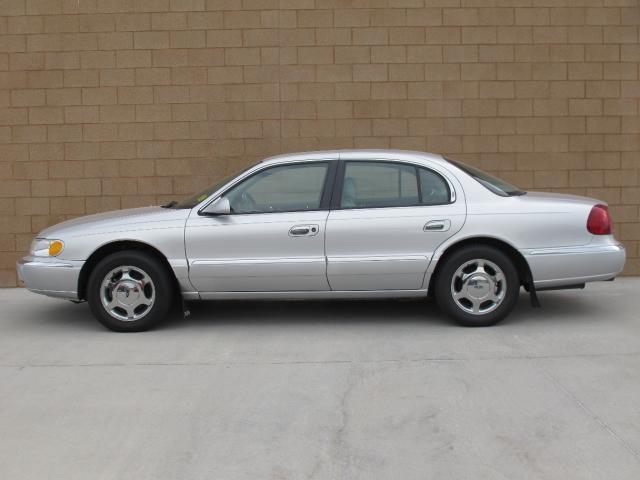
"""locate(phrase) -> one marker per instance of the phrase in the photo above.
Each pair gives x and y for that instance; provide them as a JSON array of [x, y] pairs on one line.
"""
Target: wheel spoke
[[108, 284], [111, 304], [126, 275], [145, 301], [130, 309], [493, 297], [466, 276], [476, 305]]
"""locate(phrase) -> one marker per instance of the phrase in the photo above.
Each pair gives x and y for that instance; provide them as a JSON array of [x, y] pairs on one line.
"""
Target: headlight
[[45, 247]]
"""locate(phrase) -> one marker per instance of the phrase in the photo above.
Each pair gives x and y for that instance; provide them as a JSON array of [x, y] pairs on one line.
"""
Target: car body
[[350, 242]]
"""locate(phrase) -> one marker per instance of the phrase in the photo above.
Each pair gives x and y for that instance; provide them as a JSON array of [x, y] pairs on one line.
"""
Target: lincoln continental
[[331, 225]]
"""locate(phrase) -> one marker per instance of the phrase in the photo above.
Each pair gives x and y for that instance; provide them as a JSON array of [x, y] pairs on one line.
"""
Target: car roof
[[357, 154]]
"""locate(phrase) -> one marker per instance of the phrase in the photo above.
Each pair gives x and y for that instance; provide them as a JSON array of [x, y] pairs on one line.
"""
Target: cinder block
[[94, 94]]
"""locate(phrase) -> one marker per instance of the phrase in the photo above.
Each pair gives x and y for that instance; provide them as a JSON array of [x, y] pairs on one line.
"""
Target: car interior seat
[[349, 193]]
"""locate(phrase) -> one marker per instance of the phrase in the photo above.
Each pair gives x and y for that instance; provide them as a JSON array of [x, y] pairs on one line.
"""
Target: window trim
[[340, 176], [469, 170], [325, 196]]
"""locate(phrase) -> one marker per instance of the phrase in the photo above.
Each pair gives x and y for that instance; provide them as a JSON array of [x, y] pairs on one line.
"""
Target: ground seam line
[[590, 413], [319, 362]]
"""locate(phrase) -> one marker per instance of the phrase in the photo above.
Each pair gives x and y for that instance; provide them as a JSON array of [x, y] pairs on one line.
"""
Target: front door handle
[[437, 226], [303, 231]]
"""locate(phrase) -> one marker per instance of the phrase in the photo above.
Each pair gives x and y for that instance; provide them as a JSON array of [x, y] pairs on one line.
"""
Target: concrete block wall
[[108, 104]]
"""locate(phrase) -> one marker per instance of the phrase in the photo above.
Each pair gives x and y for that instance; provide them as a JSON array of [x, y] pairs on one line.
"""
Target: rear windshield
[[494, 184]]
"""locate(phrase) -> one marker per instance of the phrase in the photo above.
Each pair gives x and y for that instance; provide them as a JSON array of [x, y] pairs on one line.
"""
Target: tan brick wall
[[108, 104]]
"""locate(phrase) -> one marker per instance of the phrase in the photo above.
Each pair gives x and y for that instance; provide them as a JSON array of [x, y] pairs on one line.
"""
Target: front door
[[387, 220], [272, 241]]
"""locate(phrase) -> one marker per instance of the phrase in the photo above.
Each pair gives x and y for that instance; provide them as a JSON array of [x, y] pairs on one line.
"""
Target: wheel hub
[[127, 293], [478, 286]]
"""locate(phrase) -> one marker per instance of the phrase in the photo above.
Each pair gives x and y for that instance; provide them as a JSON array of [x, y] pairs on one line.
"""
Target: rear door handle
[[303, 231], [437, 226]]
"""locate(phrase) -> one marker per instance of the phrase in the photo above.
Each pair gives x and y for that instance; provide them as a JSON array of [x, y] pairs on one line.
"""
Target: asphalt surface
[[333, 390]]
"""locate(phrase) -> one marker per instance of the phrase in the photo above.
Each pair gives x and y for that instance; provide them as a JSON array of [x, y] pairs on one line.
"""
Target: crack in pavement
[[339, 443], [590, 413], [317, 362]]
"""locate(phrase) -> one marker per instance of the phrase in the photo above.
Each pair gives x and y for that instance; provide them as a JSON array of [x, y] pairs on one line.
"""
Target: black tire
[[496, 309], [160, 289]]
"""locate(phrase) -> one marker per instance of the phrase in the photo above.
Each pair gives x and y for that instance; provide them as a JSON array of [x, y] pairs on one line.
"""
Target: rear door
[[386, 221], [274, 238]]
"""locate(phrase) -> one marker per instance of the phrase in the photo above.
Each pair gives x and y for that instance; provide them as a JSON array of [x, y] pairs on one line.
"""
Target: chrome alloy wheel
[[478, 286], [127, 293]]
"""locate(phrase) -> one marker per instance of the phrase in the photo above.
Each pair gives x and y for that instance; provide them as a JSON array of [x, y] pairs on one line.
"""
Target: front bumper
[[50, 276], [555, 267]]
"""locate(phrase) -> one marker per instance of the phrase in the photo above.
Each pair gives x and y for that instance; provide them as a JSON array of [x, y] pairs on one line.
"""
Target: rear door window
[[390, 184]]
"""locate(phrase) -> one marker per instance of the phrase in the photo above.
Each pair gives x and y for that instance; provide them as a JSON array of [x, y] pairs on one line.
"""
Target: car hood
[[145, 218]]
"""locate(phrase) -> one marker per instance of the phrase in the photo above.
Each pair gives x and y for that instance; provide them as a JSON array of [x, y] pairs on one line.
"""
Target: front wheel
[[129, 291], [477, 286]]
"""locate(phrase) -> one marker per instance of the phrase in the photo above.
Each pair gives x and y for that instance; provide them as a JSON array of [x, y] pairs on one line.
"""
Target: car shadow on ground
[[314, 312], [556, 306]]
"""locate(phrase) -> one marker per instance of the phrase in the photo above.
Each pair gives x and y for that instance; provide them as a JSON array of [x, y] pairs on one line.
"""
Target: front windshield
[[202, 195], [494, 184]]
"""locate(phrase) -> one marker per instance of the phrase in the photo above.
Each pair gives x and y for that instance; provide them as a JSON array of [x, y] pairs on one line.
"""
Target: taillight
[[599, 221]]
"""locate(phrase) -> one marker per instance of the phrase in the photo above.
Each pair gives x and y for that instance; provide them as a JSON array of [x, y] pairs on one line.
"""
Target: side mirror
[[219, 207]]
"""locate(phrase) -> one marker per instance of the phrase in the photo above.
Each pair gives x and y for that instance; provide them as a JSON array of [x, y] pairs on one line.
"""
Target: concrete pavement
[[334, 390]]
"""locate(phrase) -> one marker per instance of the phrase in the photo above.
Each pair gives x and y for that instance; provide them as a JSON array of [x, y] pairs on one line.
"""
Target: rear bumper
[[52, 277], [554, 267]]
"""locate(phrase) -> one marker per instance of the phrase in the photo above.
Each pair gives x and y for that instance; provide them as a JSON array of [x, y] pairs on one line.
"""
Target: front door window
[[286, 188]]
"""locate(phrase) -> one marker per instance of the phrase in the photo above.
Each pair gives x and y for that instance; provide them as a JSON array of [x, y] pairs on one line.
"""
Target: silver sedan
[[335, 224]]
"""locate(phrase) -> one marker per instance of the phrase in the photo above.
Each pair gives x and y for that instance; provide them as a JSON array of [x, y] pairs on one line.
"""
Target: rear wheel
[[477, 286], [129, 291]]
